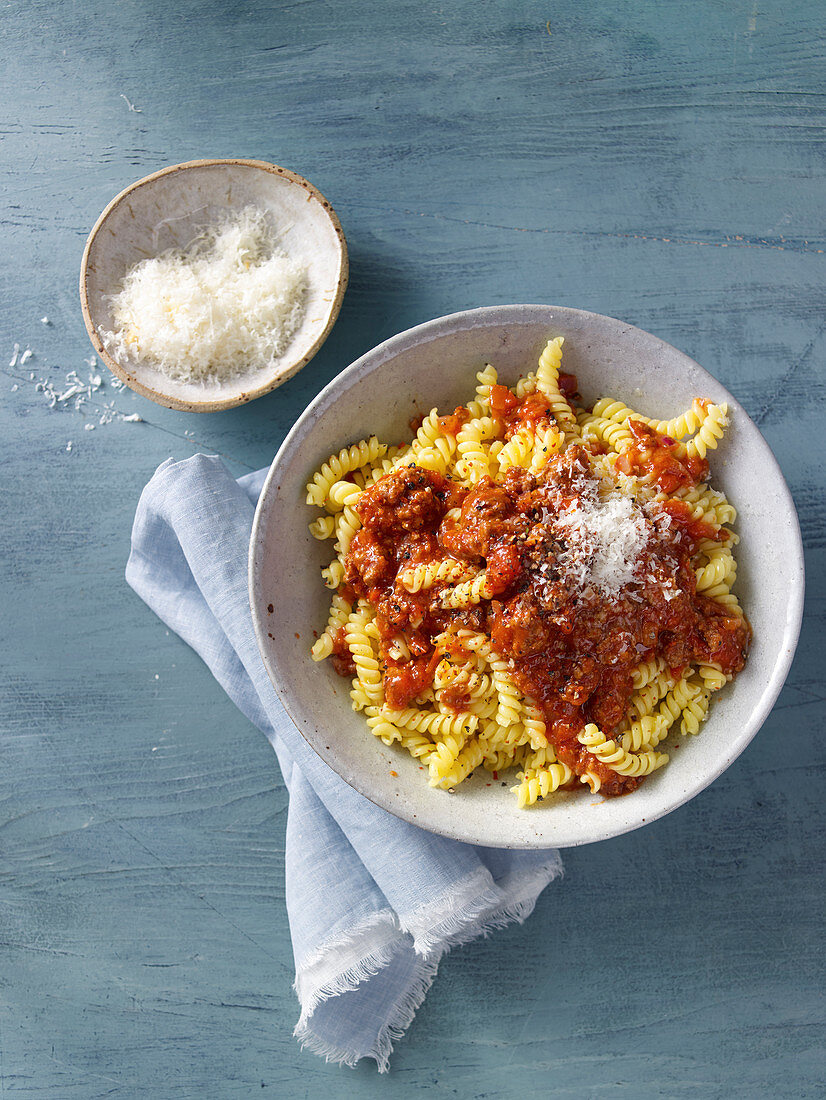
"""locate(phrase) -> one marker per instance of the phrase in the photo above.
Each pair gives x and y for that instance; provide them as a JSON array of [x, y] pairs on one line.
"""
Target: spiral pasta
[[615, 434], [720, 568], [333, 574], [645, 733], [682, 425], [426, 574], [485, 379], [609, 409], [642, 702], [708, 505], [695, 713], [414, 624], [347, 524], [467, 593], [368, 674], [339, 615], [547, 383], [710, 430], [618, 758], [517, 452], [439, 726], [713, 677], [363, 453], [644, 673], [536, 783], [546, 443], [474, 461], [323, 528], [508, 710]]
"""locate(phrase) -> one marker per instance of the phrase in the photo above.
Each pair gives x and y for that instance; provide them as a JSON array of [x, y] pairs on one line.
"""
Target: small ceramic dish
[[435, 365], [166, 210]]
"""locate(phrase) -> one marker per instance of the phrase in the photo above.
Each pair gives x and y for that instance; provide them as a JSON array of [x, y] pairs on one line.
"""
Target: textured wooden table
[[662, 163]]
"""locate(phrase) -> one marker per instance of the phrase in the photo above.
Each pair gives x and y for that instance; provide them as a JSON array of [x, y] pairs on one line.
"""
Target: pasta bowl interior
[[435, 366], [272, 295]]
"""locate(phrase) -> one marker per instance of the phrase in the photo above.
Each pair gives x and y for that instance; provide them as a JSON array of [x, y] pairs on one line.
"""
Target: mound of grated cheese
[[605, 539], [600, 537], [227, 304]]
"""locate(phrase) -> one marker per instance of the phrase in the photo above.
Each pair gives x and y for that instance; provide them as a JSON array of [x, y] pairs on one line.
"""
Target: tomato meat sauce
[[572, 639], [651, 452]]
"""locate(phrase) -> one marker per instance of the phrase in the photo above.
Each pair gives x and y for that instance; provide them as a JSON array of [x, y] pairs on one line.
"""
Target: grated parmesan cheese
[[227, 304], [604, 540], [596, 540]]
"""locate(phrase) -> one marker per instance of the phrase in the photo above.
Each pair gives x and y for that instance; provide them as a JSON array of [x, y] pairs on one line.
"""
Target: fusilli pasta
[[441, 627]]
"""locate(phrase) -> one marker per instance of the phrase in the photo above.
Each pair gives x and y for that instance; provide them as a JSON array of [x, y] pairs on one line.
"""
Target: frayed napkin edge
[[488, 914], [391, 1031], [371, 945], [492, 908]]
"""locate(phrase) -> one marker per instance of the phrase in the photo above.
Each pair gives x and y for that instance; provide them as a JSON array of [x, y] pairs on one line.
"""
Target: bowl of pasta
[[510, 578]]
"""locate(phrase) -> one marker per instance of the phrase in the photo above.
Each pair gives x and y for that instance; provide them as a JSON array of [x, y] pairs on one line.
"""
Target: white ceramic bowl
[[165, 210], [435, 365]]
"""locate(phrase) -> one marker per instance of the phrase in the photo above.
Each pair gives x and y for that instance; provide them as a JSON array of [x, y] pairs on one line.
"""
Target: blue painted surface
[[662, 163]]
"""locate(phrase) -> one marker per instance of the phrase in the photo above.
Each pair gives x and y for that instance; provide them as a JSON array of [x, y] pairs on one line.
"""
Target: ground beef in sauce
[[407, 500]]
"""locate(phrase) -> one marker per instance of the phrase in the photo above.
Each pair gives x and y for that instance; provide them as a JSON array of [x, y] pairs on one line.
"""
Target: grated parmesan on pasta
[[604, 540], [227, 304]]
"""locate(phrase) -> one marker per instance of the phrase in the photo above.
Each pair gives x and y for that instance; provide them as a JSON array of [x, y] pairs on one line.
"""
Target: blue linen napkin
[[373, 902]]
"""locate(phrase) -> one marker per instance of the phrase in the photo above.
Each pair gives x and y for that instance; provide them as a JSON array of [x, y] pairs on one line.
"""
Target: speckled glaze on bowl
[[165, 210], [435, 365]]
